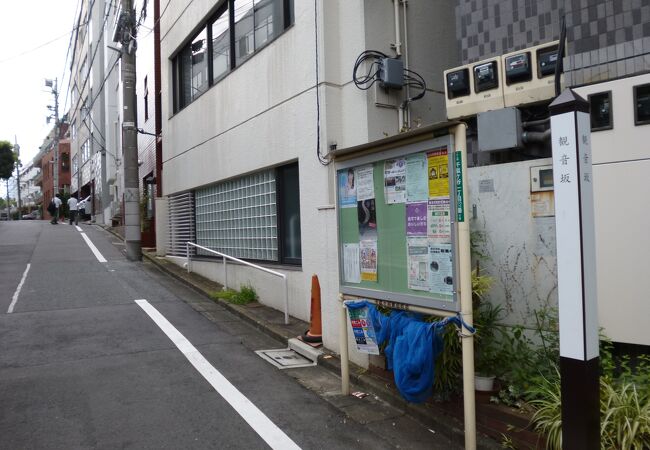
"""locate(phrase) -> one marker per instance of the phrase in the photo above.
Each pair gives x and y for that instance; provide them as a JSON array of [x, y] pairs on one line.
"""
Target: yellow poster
[[437, 167]]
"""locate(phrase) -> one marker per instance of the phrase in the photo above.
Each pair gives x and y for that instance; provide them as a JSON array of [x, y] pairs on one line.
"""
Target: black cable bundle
[[414, 80], [365, 82]]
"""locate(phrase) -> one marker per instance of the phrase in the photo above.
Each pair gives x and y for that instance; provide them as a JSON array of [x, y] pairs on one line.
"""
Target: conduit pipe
[[398, 53], [407, 111]]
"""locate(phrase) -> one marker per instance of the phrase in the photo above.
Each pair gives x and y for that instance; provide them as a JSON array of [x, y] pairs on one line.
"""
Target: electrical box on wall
[[474, 88], [530, 75], [499, 129], [541, 178], [391, 73]]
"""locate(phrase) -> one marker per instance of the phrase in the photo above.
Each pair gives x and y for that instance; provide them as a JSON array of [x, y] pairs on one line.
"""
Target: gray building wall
[[605, 39], [429, 41]]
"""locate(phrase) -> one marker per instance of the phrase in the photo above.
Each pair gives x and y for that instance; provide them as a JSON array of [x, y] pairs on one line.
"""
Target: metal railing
[[246, 263]]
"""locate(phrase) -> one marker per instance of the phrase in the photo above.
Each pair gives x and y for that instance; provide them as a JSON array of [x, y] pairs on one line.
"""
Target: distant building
[[45, 160]]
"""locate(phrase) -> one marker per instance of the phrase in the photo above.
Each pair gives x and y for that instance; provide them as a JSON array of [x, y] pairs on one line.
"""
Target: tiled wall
[[606, 39]]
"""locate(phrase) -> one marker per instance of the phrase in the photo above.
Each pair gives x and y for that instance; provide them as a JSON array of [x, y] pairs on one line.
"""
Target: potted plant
[[488, 357]]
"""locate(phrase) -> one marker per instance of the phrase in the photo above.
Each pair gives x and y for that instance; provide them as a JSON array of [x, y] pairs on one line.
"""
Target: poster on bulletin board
[[399, 243]]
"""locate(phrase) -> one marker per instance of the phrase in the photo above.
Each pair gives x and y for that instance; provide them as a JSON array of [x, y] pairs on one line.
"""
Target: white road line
[[98, 255], [17, 293], [78, 228], [261, 424]]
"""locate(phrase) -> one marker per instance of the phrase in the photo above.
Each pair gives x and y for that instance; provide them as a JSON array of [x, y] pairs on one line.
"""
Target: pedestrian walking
[[54, 211], [72, 208]]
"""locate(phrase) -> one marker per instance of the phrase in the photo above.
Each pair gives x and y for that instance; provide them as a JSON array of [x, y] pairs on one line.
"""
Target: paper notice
[[368, 256], [440, 269], [351, 266], [347, 189], [418, 264], [416, 219], [439, 221], [438, 171], [367, 216], [365, 184], [395, 180], [363, 330], [417, 188]]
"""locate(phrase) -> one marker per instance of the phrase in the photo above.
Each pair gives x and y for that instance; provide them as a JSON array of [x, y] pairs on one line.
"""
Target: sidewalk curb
[[442, 422]]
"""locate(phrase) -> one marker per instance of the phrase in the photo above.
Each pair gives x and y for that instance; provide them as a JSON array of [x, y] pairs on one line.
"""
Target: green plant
[[624, 412], [246, 295], [488, 355], [625, 417], [547, 401]]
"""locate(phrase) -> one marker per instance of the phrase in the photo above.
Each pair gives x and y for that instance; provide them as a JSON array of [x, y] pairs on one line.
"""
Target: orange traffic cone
[[315, 332]]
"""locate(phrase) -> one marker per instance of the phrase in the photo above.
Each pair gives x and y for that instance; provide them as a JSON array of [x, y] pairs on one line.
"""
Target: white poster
[[440, 269], [417, 182], [395, 180], [365, 183], [418, 263], [439, 221], [351, 267]]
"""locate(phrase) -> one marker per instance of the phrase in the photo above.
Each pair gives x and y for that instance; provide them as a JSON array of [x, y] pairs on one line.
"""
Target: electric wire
[[322, 159], [75, 109], [65, 64], [26, 52]]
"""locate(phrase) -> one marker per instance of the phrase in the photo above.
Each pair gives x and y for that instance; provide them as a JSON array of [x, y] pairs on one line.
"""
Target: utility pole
[[126, 33], [8, 207], [55, 91], [17, 150]]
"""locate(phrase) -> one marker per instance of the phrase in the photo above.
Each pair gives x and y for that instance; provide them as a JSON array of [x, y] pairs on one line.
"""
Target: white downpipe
[[398, 53], [398, 38], [407, 111], [246, 263]]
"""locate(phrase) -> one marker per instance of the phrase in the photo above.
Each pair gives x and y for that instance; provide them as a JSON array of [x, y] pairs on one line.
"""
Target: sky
[[27, 25]]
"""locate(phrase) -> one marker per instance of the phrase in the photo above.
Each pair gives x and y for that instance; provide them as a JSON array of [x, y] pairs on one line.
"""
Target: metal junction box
[[499, 129]]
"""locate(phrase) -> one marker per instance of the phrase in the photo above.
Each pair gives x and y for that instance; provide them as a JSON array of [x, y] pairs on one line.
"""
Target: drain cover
[[285, 358]]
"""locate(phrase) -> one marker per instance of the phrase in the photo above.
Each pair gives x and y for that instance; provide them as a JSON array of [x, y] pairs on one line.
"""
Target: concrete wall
[[520, 248]]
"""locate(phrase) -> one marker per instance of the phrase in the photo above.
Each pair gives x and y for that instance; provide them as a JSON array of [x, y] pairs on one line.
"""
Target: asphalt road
[[82, 365]]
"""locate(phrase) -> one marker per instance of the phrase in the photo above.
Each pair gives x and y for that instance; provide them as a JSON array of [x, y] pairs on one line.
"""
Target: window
[[600, 105], [642, 104], [220, 31], [85, 151], [75, 164], [289, 214], [227, 39], [253, 217]]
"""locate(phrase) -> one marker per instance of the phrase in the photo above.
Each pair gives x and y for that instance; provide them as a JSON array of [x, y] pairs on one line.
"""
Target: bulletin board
[[396, 212]]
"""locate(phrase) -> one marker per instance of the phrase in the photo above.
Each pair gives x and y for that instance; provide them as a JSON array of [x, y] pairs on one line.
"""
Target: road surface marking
[[261, 424], [17, 293], [98, 255], [78, 228]]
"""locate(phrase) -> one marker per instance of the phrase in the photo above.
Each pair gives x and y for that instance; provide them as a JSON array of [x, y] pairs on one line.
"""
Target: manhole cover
[[285, 358]]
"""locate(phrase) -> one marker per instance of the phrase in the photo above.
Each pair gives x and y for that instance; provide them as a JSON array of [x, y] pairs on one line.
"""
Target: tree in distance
[[7, 160]]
